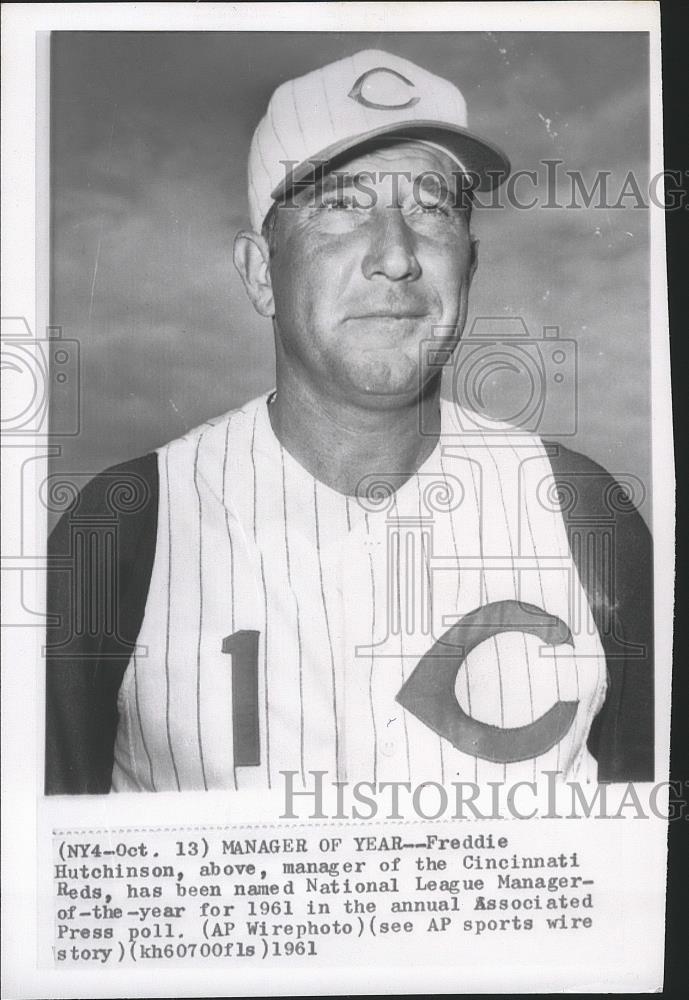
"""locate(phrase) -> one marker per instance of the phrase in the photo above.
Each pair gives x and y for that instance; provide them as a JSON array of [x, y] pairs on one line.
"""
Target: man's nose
[[391, 252]]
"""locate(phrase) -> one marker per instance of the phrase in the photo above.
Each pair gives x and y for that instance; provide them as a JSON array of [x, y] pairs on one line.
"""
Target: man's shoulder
[[214, 430], [564, 459], [131, 486], [126, 491], [586, 489]]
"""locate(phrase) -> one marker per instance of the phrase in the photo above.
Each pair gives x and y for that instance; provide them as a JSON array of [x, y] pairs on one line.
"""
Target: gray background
[[149, 140]]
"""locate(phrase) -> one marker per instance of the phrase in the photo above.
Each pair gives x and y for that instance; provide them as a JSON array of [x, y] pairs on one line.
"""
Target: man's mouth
[[390, 314]]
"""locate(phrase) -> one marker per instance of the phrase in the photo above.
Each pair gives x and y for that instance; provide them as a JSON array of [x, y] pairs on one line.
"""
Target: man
[[337, 576]]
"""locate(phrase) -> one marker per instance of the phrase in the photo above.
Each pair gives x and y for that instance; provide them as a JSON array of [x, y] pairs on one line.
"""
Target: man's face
[[365, 268]]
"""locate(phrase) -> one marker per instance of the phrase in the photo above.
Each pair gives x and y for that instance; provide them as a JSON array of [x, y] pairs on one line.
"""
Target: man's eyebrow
[[334, 182], [323, 184], [340, 180]]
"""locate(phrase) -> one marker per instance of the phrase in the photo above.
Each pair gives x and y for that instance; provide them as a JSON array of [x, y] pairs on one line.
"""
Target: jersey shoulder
[[213, 432]]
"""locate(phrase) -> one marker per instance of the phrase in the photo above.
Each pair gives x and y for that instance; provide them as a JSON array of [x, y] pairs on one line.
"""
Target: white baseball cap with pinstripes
[[334, 109]]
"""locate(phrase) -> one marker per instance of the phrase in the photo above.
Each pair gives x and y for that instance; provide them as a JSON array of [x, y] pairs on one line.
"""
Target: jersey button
[[387, 747]]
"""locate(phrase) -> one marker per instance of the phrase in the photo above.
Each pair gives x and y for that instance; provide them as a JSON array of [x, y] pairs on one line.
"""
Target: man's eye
[[426, 206], [339, 203], [433, 208]]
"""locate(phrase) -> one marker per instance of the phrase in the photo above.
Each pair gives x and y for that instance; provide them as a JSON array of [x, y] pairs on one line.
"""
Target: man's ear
[[473, 262], [252, 260]]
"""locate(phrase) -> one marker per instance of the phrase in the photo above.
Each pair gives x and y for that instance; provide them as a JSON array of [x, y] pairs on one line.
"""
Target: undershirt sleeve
[[616, 568], [100, 559]]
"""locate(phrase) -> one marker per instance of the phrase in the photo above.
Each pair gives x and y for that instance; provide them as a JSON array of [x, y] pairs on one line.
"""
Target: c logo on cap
[[387, 86]]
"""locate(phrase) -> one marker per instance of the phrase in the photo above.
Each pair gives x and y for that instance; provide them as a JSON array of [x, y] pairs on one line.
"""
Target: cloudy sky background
[[150, 134]]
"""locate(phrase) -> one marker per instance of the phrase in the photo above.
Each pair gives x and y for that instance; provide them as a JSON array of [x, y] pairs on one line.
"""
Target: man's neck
[[340, 444]]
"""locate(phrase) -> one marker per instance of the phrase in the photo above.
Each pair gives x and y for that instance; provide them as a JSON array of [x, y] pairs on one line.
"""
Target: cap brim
[[487, 164]]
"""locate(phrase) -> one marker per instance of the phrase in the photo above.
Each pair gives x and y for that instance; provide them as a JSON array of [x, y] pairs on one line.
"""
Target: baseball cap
[[332, 110]]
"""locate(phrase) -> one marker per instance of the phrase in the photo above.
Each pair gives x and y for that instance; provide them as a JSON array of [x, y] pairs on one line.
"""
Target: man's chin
[[384, 387]]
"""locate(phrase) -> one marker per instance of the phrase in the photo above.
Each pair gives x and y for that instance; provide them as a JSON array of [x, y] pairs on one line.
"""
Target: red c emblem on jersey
[[429, 693]]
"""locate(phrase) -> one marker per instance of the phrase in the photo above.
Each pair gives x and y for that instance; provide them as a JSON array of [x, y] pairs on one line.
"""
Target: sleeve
[[100, 558], [613, 550]]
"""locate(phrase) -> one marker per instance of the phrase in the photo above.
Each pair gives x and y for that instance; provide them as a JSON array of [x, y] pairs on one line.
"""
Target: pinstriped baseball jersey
[[341, 608]]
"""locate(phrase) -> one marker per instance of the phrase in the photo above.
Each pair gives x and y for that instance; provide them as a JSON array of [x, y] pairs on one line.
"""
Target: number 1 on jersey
[[243, 648]]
